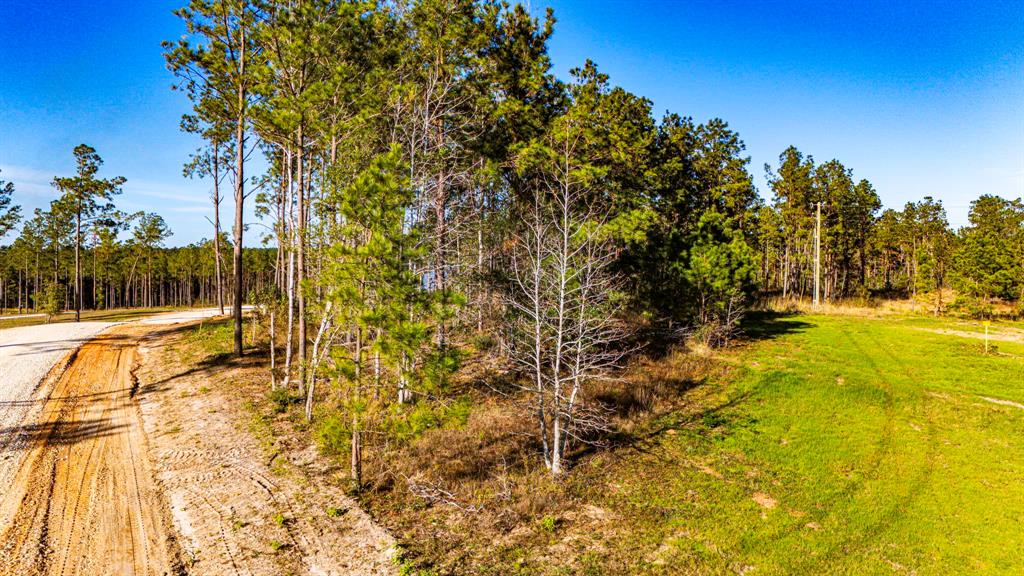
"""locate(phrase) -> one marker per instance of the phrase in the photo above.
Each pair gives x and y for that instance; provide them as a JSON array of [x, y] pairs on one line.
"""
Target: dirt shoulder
[[1005, 334], [241, 503]]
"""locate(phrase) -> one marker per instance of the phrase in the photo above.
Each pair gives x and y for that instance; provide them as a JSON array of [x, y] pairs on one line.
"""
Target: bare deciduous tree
[[567, 335]]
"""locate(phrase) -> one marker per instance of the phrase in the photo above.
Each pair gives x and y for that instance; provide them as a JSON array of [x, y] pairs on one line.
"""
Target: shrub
[[548, 523], [282, 398], [408, 422], [51, 302], [484, 342], [439, 366], [972, 307], [333, 435]]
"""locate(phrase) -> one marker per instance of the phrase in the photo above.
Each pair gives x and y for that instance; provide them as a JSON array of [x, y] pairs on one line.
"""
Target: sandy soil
[[1004, 334], [27, 354], [241, 507], [78, 491], [1003, 402], [183, 316], [122, 461], [83, 500]]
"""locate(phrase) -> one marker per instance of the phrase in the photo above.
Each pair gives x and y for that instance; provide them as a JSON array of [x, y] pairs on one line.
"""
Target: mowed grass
[[842, 445]]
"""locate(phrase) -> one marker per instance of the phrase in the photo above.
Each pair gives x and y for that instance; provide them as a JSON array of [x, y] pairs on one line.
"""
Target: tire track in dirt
[[238, 513], [31, 360], [83, 501]]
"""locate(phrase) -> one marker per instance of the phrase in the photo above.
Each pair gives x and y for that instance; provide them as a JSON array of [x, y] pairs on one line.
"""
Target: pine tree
[[149, 233], [371, 283], [10, 214], [213, 162], [86, 198], [988, 263], [793, 187], [226, 65]]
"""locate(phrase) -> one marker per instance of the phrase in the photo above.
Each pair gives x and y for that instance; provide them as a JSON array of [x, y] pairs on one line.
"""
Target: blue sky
[[921, 98]]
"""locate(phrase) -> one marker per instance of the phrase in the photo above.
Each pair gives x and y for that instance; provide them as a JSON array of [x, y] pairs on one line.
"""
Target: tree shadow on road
[[91, 397], [58, 433]]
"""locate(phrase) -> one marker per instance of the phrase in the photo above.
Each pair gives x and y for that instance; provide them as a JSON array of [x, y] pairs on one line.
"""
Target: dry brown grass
[[924, 304], [478, 500]]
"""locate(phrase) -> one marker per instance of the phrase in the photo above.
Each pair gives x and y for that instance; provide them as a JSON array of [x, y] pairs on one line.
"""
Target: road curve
[[26, 355], [80, 498]]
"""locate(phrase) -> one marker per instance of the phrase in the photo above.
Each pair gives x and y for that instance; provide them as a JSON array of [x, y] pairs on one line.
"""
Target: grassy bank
[[849, 446], [820, 445], [824, 444]]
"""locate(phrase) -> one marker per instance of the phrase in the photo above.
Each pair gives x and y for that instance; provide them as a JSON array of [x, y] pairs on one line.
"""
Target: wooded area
[[84, 253], [434, 192]]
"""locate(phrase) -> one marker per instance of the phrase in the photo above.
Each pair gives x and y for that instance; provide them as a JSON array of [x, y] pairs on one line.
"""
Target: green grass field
[[843, 445]]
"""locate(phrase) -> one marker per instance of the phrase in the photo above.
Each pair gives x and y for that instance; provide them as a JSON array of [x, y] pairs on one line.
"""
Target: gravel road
[[78, 493], [26, 355]]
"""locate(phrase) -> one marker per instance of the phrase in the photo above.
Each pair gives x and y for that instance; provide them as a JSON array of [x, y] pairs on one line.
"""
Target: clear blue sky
[[921, 98]]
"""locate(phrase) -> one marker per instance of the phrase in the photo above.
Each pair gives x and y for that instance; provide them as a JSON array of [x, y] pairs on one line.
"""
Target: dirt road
[[83, 500], [80, 495], [26, 355]]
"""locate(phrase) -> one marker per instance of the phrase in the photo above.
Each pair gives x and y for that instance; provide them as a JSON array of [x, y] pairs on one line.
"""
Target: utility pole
[[817, 258]]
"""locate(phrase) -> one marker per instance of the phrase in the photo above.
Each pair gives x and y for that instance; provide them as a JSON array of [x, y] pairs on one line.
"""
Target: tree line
[[909, 253], [434, 191], [83, 253], [431, 182], [432, 186]]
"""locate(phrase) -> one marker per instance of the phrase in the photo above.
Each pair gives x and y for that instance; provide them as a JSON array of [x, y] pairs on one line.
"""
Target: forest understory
[[465, 493]]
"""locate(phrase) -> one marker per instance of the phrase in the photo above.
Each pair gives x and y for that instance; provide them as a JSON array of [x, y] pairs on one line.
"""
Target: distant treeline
[[83, 253], [123, 276], [866, 252]]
